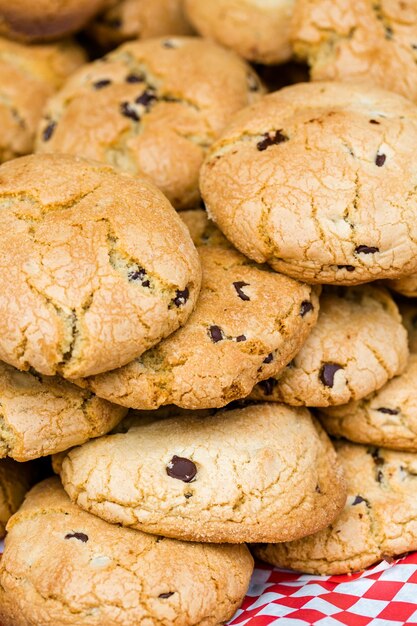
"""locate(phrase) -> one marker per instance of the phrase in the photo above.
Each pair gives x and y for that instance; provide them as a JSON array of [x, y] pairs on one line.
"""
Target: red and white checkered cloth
[[385, 595]]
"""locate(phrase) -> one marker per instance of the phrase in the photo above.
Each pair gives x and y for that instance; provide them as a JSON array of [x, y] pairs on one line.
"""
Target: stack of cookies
[[208, 331]]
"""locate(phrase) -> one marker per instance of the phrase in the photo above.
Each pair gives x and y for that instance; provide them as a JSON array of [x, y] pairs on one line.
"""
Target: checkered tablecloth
[[385, 595]]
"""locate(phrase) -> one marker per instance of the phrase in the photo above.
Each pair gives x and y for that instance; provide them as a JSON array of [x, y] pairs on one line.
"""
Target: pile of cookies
[[208, 301]]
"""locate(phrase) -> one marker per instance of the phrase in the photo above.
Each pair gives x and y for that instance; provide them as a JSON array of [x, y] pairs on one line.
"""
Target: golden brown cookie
[[406, 286], [265, 472], [319, 180], [248, 324], [15, 480], [62, 566], [43, 20], [258, 31], [151, 107], [358, 344], [41, 415], [379, 519], [29, 75], [96, 266], [359, 40], [138, 19]]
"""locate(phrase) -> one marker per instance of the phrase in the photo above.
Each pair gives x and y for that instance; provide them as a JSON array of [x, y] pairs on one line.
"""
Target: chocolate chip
[[388, 411], [328, 372], [348, 268], [139, 274], [181, 469], [380, 159], [268, 386], [366, 249], [238, 286], [271, 139], [48, 131], [127, 110], [135, 78], [379, 476], [188, 495], [358, 500], [146, 98], [377, 459], [102, 83], [80, 536], [306, 307], [181, 297], [166, 595], [374, 122], [240, 338], [318, 490], [269, 358], [215, 333]]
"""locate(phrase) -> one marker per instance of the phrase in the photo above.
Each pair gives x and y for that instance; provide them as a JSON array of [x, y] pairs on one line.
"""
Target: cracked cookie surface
[[96, 266], [358, 344], [29, 75], [319, 180], [387, 418], [378, 521], [64, 566], [151, 107], [258, 31], [15, 481], [250, 474], [369, 41], [248, 324], [41, 415], [138, 19]]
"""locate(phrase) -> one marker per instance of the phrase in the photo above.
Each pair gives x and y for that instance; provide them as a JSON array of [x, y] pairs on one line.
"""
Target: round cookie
[[358, 344], [258, 31], [248, 324], [261, 473], [96, 266], [318, 180], [151, 107], [203, 231], [408, 310], [386, 418], [406, 286], [379, 520], [44, 20], [64, 566], [15, 480], [41, 415], [361, 41], [138, 19], [29, 75]]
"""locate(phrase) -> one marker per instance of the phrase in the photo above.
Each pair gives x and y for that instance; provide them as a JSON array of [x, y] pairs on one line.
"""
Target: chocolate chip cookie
[[15, 480], [361, 41], [41, 415], [138, 19], [406, 286], [379, 519], [261, 473], [96, 266], [258, 31], [151, 106], [358, 344], [64, 566], [249, 322], [29, 75], [319, 180]]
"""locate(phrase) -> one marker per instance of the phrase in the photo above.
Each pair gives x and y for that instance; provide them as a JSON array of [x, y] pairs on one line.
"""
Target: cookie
[[248, 324], [64, 566], [406, 286], [203, 230], [361, 41], [318, 180], [358, 344], [41, 415], [44, 20], [258, 31], [378, 522], [15, 480], [151, 107], [138, 19], [96, 266], [29, 75], [386, 418], [408, 310], [261, 473]]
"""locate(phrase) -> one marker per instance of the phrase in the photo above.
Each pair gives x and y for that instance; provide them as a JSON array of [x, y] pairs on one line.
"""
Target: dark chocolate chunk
[[48, 131], [146, 98], [328, 372], [366, 249], [215, 333], [380, 159], [127, 110], [181, 297], [166, 595], [139, 274], [387, 411], [135, 78], [181, 469], [271, 139], [374, 122], [240, 338], [100, 84], [268, 385], [80, 536], [269, 358], [306, 307], [238, 286], [348, 268], [379, 476], [358, 500]]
